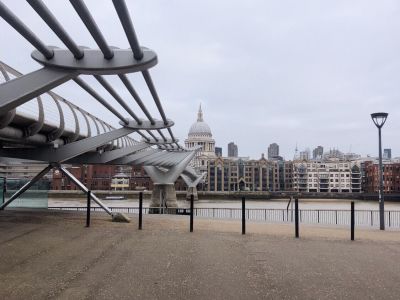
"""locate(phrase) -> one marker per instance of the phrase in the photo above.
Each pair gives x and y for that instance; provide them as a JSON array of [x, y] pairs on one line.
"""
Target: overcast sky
[[305, 72]]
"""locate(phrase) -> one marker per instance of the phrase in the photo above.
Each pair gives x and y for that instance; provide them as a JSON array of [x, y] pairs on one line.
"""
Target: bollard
[[191, 212], [88, 209], [352, 221], [140, 210], [243, 215], [296, 217]]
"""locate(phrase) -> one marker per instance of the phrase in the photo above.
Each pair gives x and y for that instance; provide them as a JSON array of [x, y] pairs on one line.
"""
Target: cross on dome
[[200, 128], [200, 115]]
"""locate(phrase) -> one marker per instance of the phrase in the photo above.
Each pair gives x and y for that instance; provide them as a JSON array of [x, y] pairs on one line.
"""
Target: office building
[[218, 151], [304, 155], [387, 154], [318, 153], [273, 150], [232, 150]]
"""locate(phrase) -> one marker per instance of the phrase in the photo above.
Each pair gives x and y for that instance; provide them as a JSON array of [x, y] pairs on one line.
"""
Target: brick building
[[95, 177], [391, 177], [103, 177]]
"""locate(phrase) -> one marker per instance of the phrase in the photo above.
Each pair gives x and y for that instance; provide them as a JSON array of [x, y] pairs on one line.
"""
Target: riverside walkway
[[47, 254]]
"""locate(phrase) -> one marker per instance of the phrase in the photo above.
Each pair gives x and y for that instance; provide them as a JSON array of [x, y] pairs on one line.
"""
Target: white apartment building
[[331, 176]]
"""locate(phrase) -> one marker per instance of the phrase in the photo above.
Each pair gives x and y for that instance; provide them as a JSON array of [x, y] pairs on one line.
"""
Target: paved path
[[46, 255]]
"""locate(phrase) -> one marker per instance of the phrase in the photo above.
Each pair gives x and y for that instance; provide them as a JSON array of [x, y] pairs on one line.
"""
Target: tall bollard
[[243, 215], [352, 221], [88, 209], [191, 212], [296, 217], [140, 210]]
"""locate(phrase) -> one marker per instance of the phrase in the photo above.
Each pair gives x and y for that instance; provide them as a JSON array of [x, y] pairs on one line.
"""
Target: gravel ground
[[46, 255]]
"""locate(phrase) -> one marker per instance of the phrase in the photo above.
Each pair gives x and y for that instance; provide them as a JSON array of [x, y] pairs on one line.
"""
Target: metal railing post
[[88, 209], [191, 212], [140, 210], [243, 215], [296, 217], [352, 221], [372, 219]]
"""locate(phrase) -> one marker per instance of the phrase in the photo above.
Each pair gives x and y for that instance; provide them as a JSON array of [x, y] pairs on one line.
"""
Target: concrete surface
[[47, 255]]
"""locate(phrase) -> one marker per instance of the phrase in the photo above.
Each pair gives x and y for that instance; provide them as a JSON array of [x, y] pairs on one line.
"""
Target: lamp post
[[379, 120]]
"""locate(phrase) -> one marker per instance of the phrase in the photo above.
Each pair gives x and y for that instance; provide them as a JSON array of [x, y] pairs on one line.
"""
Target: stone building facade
[[200, 135], [228, 174]]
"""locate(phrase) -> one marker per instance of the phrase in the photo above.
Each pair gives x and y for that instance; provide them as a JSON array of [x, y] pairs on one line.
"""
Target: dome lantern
[[200, 128]]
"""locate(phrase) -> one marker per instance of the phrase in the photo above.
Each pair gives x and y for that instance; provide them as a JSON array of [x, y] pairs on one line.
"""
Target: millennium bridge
[[40, 125]]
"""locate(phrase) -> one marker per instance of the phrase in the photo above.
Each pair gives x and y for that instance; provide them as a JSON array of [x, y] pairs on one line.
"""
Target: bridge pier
[[192, 179], [163, 196]]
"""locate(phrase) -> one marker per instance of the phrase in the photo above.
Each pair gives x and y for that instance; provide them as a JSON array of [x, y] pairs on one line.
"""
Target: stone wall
[[181, 195]]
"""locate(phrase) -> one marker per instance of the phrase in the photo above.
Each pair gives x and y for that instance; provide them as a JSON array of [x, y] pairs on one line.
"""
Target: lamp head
[[379, 118]]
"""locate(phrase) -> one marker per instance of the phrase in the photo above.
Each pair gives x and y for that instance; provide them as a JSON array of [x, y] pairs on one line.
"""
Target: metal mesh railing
[[366, 218]]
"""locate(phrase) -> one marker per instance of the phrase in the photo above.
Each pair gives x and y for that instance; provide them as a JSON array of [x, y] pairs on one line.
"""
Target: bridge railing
[[336, 217]]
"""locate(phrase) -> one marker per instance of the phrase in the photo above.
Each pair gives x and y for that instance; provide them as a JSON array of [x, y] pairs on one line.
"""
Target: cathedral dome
[[200, 128]]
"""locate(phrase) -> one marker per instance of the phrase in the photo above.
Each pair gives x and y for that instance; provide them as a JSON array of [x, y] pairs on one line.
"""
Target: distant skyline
[[305, 72]]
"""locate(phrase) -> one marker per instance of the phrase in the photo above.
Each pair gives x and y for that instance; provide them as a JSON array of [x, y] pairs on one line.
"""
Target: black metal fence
[[307, 216]]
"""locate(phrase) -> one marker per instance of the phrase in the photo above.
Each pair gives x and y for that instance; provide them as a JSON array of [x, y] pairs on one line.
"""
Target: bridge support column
[[192, 179], [164, 184], [163, 196]]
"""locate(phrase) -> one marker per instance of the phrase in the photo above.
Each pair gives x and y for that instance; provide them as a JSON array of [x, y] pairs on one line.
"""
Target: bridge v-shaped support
[[164, 194], [192, 180], [170, 176], [190, 176]]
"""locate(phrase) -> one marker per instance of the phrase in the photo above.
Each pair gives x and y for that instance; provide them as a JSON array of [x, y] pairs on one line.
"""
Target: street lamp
[[379, 120]]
